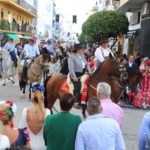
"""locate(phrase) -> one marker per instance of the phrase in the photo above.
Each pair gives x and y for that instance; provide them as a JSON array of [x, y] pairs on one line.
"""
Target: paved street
[[132, 116]]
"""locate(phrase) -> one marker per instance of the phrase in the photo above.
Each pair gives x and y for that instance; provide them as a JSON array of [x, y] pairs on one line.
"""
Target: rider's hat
[[104, 40], [77, 47]]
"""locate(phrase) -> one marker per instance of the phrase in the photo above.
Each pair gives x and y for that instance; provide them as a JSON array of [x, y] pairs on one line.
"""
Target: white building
[[46, 13]]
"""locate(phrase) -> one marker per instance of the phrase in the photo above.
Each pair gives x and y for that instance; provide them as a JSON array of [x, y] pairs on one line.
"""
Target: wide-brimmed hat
[[77, 47], [104, 40]]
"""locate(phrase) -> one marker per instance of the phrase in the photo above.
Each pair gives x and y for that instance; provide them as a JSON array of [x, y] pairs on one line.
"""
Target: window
[[57, 18], [74, 19], [2, 14], [107, 2], [139, 17]]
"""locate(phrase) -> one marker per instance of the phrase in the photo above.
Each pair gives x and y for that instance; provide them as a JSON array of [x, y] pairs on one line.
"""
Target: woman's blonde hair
[[38, 97], [6, 114]]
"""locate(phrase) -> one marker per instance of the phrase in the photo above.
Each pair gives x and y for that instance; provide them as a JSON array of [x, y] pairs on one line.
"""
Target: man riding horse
[[78, 66], [102, 52], [31, 50], [10, 47]]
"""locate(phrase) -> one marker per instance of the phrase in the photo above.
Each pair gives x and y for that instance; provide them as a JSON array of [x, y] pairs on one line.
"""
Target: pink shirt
[[113, 111]]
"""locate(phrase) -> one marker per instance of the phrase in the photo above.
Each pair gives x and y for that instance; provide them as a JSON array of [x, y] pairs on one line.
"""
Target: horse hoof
[[4, 84]]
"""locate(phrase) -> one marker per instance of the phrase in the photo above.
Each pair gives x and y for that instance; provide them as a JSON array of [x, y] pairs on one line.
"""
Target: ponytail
[[38, 98]]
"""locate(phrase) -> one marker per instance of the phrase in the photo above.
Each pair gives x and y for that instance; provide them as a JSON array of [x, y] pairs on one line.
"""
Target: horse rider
[[102, 52], [10, 47], [50, 47], [78, 66], [31, 51]]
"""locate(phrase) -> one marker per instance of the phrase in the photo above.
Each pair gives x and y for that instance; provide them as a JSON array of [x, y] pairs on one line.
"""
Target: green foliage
[[105, 24], [5, 25], [85, 38]]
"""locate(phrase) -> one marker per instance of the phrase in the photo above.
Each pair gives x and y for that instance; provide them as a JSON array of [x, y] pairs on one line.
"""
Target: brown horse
[[109, 72], [34, 71]]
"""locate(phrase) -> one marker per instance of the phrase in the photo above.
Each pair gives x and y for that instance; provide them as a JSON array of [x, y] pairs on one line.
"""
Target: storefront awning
[[19, 35], [13, 36], [27, 36]]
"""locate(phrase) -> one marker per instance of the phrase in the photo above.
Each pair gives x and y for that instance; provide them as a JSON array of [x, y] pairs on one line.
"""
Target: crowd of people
[[39, 130]]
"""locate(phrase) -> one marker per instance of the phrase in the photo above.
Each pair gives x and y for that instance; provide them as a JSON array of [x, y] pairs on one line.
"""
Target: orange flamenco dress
[[142, 99]]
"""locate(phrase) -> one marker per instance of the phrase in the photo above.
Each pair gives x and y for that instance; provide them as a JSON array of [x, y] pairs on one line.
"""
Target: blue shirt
[[144, 132], [99, 133]]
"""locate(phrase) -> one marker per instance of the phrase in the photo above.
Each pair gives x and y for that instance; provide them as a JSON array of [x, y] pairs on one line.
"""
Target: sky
[[74, 6]]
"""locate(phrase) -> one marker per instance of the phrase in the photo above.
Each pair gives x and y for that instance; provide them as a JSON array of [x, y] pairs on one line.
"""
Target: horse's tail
[[45, 93]]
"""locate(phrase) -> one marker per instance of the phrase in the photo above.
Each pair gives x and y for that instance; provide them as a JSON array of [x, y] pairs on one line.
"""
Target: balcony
[[15, 27], [22, 6], [25, 5]]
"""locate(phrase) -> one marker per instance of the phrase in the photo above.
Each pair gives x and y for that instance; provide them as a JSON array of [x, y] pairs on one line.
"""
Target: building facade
[[46, 18], [138, 13], [17, 17]]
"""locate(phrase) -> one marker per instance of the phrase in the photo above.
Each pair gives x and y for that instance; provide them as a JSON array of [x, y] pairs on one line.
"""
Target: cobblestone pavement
[[133, 117]]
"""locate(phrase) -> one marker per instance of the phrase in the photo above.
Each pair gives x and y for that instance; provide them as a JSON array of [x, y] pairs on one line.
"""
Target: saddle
[[67, 86]]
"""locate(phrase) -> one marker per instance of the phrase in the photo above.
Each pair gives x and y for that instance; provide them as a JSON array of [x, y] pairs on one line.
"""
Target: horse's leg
[[24, 86], [20, 85], [13, 79], [30, 90], [4, 84], [84, 110]]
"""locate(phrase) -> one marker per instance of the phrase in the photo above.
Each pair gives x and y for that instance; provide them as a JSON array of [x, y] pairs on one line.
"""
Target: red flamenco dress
[[142, 99]]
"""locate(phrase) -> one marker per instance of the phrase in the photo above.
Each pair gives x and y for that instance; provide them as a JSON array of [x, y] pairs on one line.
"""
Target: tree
[[85, 38], [105, 24]]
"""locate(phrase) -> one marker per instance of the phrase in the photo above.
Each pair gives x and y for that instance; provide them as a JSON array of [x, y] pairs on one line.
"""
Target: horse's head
[[115, 68], [134, 78]]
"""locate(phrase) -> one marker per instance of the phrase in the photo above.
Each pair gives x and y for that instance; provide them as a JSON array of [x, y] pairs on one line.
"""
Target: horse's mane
[[97, 69]]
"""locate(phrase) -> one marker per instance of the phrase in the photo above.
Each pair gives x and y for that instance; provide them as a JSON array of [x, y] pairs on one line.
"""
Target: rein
[[111, 78]]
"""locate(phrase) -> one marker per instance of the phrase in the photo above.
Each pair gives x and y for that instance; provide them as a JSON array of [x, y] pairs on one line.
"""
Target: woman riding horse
[[109, 72], [78, 66]]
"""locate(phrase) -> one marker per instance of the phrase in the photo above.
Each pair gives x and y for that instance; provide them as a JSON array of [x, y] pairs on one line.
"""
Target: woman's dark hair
[[67, 101]]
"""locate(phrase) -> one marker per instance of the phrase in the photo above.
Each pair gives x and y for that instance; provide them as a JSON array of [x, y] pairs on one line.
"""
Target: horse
[[8, 66], [34, 71], [109, 72]]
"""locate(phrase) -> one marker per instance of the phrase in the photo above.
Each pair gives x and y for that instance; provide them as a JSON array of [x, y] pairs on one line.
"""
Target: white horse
[[9, 69]]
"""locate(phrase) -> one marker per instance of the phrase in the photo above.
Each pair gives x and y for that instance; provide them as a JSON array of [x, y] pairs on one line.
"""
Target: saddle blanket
[[68, 87]]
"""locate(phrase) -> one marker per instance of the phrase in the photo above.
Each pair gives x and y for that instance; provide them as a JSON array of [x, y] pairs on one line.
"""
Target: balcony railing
[[14, 26], [26, 5]]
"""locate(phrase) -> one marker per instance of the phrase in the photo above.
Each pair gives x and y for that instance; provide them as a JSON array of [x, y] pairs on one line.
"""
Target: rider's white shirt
[[31, 51], [9, 46], [101, 53]]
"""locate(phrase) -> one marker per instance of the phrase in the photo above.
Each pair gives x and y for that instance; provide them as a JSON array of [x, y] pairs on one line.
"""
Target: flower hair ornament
[[38, 87], [12, 105]]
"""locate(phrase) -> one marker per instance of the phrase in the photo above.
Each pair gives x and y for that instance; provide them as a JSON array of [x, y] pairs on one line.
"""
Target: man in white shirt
[[98, 132], [31, 50], [10, 47], [102, 52]]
